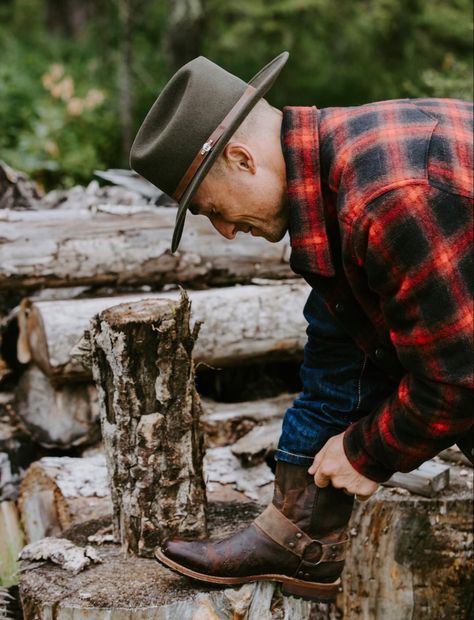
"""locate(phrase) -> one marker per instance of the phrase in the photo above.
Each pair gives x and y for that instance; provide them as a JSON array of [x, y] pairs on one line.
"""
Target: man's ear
[[240, 157]]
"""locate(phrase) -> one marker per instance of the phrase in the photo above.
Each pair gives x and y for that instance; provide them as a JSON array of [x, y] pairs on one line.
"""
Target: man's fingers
[[320, 480]]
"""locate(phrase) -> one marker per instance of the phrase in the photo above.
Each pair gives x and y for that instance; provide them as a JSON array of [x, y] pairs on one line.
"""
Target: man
[[378, 203]]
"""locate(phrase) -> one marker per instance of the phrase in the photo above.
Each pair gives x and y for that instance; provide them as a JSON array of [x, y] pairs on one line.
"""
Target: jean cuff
[[290, 457]]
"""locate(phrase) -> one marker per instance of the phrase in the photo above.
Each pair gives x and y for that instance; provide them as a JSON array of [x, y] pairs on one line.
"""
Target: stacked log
[[119, 245], [55, 397]]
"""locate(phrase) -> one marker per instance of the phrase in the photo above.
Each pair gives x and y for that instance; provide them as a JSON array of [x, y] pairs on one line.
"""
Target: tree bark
[[239, 324], [126, 245], [150, 417], [411, 557], [57, 417], [58, 492]]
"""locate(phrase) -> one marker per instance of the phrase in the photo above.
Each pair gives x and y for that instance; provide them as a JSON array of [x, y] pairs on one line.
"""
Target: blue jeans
[[340, 385]]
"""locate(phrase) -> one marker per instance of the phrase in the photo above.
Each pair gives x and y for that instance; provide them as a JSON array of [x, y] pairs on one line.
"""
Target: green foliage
[[342, 53]]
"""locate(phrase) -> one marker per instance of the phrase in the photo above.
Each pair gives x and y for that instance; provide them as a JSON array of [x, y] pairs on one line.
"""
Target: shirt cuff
[[360, 459]]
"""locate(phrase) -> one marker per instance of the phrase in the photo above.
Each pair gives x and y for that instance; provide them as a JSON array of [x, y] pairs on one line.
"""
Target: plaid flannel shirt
[[381, 225]]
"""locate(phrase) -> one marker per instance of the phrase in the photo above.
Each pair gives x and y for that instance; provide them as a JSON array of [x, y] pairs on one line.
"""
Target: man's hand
[[331, 465]]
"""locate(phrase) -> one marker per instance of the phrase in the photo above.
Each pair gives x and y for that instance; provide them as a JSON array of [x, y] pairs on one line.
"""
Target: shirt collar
[[310, 251]]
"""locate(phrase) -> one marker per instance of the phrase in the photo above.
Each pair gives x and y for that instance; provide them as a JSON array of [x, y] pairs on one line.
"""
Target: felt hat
[[189, 125]]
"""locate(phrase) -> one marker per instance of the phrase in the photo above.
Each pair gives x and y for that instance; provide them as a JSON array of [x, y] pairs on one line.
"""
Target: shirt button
[[339, 308], [379, 353]]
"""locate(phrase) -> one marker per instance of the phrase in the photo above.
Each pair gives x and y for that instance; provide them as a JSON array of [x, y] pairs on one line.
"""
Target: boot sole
[[311, 591]]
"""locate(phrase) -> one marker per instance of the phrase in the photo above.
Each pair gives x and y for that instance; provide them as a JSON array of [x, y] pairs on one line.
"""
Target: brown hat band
[[210, 143]]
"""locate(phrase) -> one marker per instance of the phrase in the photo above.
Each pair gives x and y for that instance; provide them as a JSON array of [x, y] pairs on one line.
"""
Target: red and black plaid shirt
[[381, 224]]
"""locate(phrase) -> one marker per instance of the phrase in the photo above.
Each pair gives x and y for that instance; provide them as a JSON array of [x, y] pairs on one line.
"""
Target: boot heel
[[322, 592]]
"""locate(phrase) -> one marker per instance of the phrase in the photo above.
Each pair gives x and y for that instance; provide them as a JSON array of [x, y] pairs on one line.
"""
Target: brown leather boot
[[299, 541]]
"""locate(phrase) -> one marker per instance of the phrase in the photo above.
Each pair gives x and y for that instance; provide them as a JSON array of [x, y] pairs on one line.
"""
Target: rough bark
[[126, 245], [411, 557], [238, 324], [57, 417], [58, 492], [150, 417]]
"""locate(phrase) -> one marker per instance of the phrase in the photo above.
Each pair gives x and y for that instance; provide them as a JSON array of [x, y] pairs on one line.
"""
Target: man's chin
[[274, 236]]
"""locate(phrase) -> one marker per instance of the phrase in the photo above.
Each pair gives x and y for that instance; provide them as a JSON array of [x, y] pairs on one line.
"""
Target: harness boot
[[299, 541]]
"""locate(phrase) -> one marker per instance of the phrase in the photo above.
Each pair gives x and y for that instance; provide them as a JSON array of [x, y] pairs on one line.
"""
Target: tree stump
[[150, 417]]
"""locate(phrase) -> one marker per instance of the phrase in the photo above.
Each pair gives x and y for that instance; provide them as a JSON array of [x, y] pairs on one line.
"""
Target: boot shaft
[[317, 511]]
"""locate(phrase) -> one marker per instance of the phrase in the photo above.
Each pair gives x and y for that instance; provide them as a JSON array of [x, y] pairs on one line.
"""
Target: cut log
[[428, 479], [239, 324], [61, 417], [126, 245], [226, 423], [11, 542], [135, 588], [411, 557], [58, 492], [150, 418]]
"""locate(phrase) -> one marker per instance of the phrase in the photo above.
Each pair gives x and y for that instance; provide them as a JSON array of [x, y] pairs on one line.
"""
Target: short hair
[[246, 129]]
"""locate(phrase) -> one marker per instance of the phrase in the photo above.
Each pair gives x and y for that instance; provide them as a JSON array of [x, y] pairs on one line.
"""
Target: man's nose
[[226, 229]]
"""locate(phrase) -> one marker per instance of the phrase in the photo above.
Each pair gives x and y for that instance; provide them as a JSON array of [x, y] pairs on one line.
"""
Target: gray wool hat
[[189, 125]]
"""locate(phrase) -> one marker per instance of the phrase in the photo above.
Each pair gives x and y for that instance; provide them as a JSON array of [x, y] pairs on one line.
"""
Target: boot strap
[[288, 535]]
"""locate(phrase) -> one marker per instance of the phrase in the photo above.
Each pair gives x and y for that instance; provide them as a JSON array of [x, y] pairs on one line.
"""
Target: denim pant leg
[[340, 385]]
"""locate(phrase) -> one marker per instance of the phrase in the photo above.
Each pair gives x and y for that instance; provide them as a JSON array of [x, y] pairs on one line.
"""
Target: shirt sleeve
[[415, 246]]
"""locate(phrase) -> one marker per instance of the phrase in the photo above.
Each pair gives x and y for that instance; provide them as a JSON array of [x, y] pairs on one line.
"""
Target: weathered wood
[[223, 469], [58, 492], [226, 423], [16, 190], [63, 416], [11, 542], [61, 551], [238, 324], [139, 588], [254, 447], [428, 479], [150, 418], [126, 245], [410, 556]]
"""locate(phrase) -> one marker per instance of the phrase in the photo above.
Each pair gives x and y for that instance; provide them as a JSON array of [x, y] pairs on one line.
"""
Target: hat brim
[[262, 82]]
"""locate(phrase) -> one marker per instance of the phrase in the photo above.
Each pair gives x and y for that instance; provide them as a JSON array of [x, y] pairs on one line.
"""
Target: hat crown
[[188, 109]]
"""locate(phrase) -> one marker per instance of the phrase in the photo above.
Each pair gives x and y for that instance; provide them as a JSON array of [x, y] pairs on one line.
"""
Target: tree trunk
[[411, 557], [57, 417], [58, 492], [126, 245], [150, 417], [137, 588], [183, 36], [239, 324]]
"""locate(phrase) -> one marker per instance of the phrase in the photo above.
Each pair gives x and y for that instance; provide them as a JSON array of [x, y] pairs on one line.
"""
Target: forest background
[[78, 76]]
